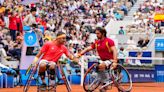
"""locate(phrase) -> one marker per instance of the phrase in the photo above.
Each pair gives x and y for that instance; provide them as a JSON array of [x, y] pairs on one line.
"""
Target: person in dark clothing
[[140, 42]]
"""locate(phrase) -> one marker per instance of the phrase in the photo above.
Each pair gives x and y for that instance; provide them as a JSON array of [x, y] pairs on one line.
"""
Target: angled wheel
[[122, 79], [91, 80], [67, 84], [31, 71]]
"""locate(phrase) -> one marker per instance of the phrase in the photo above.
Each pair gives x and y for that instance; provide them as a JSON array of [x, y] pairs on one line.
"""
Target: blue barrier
[[7, 78], [1, 81], [10, 81], [4, 80], [25, 77], [74, 79], [159, 73]]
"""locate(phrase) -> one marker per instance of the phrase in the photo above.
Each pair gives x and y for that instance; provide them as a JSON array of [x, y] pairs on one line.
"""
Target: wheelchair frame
[[115, 79], [32, 71]]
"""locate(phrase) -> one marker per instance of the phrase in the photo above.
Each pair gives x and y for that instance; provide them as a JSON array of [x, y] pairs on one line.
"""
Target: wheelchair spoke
[[122, 79], [91, 82]]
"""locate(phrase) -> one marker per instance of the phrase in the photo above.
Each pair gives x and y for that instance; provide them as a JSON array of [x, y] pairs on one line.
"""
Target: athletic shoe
[[52, 82], [43, 86]]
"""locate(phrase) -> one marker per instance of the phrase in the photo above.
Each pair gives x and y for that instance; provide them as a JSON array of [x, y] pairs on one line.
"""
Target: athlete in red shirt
[[106, 50], [52, 51]]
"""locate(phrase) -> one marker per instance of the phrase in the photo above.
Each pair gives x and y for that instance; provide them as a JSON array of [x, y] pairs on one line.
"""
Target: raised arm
[[85, 50]]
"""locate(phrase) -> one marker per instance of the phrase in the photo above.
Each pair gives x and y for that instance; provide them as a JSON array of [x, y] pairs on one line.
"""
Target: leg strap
[[52, 74], [42, 75]]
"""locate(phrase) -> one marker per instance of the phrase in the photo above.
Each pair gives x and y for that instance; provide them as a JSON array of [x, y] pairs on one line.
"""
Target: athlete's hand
[[78, 55], [76, 59], [114, 65], [102, 66], [34, 63]]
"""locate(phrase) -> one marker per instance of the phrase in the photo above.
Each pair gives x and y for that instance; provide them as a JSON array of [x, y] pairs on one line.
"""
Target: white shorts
[[104, 75], [45, 61], [107, 62]]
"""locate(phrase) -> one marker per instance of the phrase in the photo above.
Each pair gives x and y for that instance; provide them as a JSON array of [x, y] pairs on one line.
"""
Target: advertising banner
[[138, 75], [159, 73], [159, 44], [30, 38]]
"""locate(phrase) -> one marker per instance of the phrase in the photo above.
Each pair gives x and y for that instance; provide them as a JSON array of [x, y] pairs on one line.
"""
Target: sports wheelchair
[[32, 72], [119, 77]]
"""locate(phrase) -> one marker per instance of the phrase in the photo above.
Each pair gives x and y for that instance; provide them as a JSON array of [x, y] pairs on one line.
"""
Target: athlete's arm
[[113, 48], [73, 58], [70, 56], [36, 58], [114, 64], [85, 50]]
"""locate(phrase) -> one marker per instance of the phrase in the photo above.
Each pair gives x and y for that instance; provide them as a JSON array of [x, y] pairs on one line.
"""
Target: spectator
[[124, 8], [47, 36], [30, 18], [158, 30], [131, 43], [19, 23], [2, 24], [121, 54], [121, 31], [118, 16], [138, 61], [13, 25], [146, 41], [140, 42]]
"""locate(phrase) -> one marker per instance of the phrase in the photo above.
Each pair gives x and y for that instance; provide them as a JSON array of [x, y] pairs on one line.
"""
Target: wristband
[[107, 63], [79, 55], [35, 59]]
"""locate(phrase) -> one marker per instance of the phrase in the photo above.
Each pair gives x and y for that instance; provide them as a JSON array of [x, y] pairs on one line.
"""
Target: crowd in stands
[[144, 18], [144, 24], [137, 45], [77, 18]]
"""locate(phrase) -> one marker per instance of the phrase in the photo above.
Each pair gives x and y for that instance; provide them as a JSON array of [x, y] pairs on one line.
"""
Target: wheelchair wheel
[[91, 81], [68, 86], [122, 79], [30, 78]]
